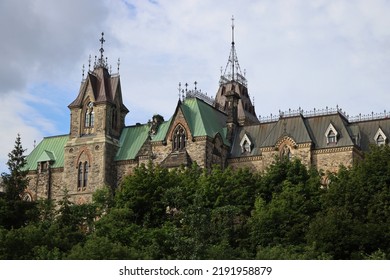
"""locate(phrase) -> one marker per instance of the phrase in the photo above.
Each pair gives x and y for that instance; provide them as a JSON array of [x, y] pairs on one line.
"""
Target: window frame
[[179, 138]]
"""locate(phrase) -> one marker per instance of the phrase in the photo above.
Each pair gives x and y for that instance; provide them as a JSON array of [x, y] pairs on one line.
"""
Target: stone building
[[100, 149]]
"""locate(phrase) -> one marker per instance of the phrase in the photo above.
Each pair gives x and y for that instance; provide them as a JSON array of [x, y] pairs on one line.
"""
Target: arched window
[[89, 115], [285, 152], [82, 176], [246, 144], [85, 183], [331, 135], [380, 140], [179, 138], [380, 137], [87, 119], [247, 147], [79, 176]]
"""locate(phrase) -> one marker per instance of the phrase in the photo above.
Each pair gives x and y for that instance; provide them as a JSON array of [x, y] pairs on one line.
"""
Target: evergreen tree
[[16, 182]]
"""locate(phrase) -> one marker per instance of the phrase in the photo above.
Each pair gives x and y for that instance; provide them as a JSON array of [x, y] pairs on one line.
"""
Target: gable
[[380, 133], [49, 149], [179, 119]]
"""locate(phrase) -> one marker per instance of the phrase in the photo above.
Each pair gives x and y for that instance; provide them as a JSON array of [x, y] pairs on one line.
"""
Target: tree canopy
[[191, 213]]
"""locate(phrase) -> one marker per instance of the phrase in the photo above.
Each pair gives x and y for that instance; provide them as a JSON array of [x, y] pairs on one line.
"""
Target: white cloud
[[296, 53]]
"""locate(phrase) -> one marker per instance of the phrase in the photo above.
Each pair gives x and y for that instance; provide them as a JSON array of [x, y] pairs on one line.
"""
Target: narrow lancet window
[[86, 170], [79, 176]]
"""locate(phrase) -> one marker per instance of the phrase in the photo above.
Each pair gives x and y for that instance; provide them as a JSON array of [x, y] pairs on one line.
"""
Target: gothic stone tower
[[233, 81], [97, 119]]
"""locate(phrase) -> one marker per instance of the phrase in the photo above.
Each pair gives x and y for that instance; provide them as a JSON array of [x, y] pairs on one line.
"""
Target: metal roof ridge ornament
[[101, 61], [194, 93], [325, 112]]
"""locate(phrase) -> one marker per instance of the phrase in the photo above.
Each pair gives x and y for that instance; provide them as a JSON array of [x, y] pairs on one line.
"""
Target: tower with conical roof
[[233, 80], [97, 117]]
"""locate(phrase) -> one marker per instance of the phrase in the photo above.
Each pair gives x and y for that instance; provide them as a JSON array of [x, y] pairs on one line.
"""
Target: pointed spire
[[232, 70], [233, 49]]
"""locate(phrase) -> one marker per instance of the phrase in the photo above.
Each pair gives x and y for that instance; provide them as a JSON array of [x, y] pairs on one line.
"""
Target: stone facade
[[100, 150]]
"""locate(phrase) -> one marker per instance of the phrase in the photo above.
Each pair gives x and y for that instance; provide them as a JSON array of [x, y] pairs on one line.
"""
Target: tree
[[355, 220], [14, 212], [16, 181]]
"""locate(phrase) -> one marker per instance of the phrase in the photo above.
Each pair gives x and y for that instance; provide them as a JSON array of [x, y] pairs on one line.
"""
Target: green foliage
[[14, 212], [190, 213], [15, 181]]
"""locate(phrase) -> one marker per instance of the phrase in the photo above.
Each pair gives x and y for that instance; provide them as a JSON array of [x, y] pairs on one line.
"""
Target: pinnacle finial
[[89, 63], [232, 29], [101, 46], [101, 62]]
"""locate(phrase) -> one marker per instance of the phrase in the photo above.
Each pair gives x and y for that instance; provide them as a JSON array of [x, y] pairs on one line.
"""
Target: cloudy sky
[[296, 53]]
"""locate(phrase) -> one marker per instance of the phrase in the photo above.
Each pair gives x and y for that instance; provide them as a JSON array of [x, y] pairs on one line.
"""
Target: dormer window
[[246, 145], [331, 135], [380, 137], [380, 140]]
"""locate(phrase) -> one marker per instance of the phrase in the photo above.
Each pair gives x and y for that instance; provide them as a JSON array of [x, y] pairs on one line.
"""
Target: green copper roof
[[131, 141], [49, 149], [203, 119], [162, 131]]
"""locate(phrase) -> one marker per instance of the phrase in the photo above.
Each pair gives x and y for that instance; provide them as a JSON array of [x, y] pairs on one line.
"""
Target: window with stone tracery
[[179, 138], [89, 116]]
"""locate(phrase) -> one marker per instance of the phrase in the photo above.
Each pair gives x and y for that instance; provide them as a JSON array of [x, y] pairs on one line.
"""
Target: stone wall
[[124, 168], [99, 153], [331, 159], [46, 184]]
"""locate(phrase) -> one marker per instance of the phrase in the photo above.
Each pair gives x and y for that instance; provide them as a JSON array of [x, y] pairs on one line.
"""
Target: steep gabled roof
[[368, 129], [104, 87], [293, 127], [257, 133], [318, 125], [131, 141], [162, 131], [203, 119], [49, 149]]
